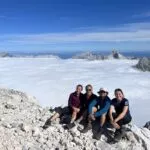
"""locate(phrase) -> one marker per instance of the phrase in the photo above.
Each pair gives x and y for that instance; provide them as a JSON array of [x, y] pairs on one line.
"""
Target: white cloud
[[128, 32], [7, 17]]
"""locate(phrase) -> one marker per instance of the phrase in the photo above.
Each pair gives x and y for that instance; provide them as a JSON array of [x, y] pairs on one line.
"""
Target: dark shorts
[[127, 119], [63, 111]]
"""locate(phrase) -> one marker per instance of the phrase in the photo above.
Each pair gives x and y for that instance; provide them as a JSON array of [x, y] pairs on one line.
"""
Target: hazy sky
[[69, 25]]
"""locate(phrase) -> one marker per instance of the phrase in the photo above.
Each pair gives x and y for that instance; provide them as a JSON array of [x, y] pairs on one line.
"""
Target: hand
[[76, 109], [91, 116], [115, 125], [115, 121]]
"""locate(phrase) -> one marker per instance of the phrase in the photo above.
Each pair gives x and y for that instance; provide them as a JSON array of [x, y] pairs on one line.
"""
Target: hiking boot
[[87, 128], [119, 134], [70, 125], [47, 124], [97, 136]]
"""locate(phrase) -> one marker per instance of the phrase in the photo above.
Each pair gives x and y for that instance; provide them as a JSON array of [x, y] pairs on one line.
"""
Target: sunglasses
[[88, 89], [102, 92]]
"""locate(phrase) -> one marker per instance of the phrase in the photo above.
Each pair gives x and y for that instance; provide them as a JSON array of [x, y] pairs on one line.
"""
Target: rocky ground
[[21, 121]]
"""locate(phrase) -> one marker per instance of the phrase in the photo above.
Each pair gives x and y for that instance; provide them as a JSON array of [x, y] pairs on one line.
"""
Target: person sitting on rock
[[98, 108], [121, 116], [88, 97], [73, 107], [86, 100]]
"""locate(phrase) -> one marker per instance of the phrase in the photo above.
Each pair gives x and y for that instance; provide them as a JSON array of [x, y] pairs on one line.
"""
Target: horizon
[[56, 26]]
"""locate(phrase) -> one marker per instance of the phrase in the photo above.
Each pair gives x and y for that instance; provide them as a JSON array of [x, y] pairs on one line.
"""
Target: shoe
[[119, 134], [79, 120], [70, 125], [87, 128], [97, 136], [47, 124]]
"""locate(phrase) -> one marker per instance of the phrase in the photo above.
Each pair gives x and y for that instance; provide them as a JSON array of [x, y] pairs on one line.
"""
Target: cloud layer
[[137, 32]]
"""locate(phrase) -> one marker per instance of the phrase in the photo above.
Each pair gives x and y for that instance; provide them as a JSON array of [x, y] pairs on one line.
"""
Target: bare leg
[[48, 122], [54, 117], [83, 116], [97, 136], [102, 120], [74, 116]]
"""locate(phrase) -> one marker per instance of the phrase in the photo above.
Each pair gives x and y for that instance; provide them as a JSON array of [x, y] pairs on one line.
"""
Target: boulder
[[5, 54], [147, 125], [144, 64]]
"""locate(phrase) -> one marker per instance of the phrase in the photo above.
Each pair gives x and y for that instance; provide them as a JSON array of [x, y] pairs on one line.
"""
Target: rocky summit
[[22, 118]]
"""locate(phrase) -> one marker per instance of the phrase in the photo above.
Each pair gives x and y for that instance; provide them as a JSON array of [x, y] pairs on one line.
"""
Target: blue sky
[[70, 25]]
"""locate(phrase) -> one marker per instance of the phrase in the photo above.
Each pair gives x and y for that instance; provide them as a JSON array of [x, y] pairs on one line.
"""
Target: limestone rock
[[144, 64], [20, 129]]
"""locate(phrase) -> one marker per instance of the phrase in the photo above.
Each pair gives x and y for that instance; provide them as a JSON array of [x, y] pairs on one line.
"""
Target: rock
[[89, 56], [77, 141], [5, 54], [14, 125], [147, 125], [10, 106], [20, 129], [143, 64], [75, 132], [41, 140], [1, 119], [24, 127], [6, 125], [25, 147], [35, 131], [116, 55]]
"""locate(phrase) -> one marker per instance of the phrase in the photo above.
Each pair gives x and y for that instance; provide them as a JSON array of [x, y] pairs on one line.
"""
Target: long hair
[[119, 90]]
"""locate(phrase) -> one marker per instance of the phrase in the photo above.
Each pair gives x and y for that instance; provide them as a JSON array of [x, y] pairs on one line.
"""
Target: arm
[[103, 110], [125, 109], [92, 104], [71, 104], [110, 113]]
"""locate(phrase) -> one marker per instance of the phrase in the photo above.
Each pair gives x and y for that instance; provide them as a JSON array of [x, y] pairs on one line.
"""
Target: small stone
[[10, 106], [6, 125], [14, 125], [35, 132], [24, 128]]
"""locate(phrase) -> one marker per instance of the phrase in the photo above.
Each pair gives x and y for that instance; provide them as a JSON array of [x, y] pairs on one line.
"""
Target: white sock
[[72, 121]]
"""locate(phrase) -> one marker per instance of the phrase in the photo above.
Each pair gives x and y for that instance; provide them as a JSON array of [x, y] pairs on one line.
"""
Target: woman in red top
[[73, 107]]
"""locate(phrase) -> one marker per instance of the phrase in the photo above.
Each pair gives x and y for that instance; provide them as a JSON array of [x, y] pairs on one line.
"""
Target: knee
[[94, 109], [74, 113], [103, 116]]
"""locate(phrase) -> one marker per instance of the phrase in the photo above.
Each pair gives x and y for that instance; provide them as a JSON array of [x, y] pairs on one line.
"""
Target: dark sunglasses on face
[[88, 89], [102, 92]]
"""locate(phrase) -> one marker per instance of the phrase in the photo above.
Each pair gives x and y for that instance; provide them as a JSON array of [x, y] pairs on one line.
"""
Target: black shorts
[[127, 119], [63, 111]]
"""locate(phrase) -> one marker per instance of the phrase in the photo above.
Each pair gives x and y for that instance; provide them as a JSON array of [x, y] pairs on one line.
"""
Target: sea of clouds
[[51, 80]]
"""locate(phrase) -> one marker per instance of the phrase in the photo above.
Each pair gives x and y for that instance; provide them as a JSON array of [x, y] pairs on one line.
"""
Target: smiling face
[[89, 90], [102, 94], [119, 95], [79, 89]]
